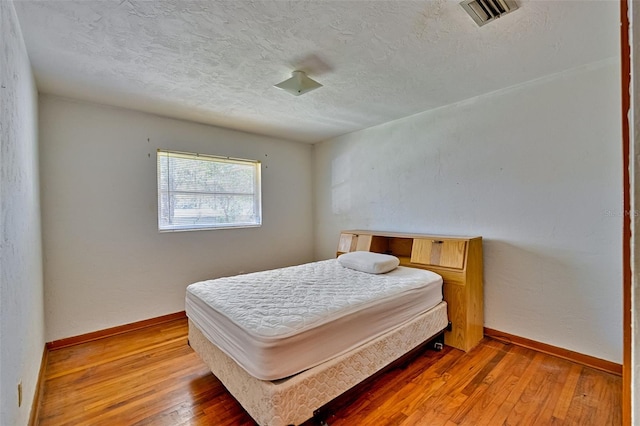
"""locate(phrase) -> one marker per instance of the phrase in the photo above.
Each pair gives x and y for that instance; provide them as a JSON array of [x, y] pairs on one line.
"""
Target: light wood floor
[[151, 377]]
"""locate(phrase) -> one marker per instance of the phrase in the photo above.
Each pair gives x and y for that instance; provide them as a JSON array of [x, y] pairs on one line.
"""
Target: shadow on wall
[[550, 294]]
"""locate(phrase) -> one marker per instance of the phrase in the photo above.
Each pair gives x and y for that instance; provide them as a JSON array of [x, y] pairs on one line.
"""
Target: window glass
[[197, 191]]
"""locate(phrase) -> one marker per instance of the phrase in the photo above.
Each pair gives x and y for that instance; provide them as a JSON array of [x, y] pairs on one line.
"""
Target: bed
[[286, 342]]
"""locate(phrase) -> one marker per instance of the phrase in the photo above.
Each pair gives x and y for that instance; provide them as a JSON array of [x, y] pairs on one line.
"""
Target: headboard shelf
[[459, 261]]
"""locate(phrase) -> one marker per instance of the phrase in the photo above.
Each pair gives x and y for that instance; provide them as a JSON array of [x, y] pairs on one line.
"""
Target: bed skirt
[[293, 400]]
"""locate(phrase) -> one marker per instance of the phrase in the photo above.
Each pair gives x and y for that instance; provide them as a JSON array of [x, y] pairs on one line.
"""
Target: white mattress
[[281, 322]]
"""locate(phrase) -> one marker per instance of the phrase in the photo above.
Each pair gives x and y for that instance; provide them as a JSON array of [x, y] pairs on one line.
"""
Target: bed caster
[[438, 346]]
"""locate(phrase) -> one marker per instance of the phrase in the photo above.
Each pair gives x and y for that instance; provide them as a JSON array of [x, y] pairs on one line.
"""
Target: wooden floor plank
[[558, 377], [485, 412], [568, 389], [151, 377], [483, 396]]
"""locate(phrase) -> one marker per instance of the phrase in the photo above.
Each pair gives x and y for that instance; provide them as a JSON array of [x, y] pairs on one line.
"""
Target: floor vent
[[485, 11]]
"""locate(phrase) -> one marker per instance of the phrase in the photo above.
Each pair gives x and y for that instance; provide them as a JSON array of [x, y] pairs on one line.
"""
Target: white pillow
[[365, 261]]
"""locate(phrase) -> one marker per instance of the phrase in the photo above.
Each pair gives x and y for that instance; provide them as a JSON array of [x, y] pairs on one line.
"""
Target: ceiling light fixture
[[298, 84], [485, 11]]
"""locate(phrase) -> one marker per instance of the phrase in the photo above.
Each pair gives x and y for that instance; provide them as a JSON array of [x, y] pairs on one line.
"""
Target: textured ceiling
[[216, 62]]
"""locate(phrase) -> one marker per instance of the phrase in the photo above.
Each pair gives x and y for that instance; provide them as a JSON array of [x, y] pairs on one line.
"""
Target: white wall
[[105, 262], [535, 170], [21, 305]]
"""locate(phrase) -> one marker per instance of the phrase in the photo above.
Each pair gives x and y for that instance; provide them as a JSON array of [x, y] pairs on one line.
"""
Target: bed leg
[[438, 343]]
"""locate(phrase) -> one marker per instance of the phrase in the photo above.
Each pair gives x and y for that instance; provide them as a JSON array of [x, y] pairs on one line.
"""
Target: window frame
[[256, 195]]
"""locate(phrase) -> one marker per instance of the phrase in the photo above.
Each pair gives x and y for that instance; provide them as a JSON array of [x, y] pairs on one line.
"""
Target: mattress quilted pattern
[[285, 301]]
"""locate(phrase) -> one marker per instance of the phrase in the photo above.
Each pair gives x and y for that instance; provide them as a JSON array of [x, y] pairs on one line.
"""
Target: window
[[198, 191]]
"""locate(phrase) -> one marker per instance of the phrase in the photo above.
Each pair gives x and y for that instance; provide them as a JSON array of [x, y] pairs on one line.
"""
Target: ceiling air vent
[[485, 11]]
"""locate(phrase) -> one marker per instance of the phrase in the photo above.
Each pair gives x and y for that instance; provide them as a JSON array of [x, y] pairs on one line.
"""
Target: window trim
[[257, 195]]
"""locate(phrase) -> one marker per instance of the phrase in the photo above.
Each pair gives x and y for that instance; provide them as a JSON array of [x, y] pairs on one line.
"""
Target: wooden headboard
[[457, 259]]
